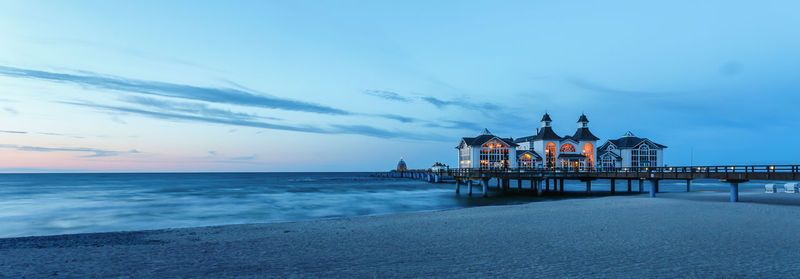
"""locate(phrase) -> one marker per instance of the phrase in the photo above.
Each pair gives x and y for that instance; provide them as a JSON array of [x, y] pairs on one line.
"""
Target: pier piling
[[469, 184], [588, 187], [688, 185], [629, 185], [561, 186], [734, 191], [485, 186], [653, 188], [613, 186]]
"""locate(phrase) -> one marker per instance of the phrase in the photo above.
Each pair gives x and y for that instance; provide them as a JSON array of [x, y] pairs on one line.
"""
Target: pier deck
[[732, 174]]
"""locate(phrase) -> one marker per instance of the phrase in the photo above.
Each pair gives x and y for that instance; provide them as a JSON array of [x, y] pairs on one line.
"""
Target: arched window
[[550, 154], [588, 151], [494, 154], [526, 161], [567, 148], [643, 157]]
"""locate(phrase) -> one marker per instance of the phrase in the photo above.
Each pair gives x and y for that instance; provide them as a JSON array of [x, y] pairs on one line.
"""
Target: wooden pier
[[540, 179]]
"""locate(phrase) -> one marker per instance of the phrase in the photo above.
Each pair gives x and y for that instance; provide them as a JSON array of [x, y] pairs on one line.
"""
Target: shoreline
[[694, 235]]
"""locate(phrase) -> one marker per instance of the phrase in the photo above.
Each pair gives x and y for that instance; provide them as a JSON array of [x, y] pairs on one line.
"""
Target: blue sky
[[355, 85]]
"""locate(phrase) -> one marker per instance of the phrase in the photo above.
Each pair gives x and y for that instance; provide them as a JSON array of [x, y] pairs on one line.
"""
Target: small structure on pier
[[630, 151], [401, 166]]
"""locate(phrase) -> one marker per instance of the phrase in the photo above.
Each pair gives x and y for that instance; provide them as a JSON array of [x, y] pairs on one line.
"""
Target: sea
[[52, 204]]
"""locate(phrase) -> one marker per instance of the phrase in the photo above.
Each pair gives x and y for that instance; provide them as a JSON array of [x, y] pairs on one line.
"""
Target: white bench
[[770, 188], [791, 188]]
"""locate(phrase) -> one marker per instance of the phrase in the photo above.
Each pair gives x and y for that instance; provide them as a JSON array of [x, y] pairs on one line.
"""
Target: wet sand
[[695, 235]]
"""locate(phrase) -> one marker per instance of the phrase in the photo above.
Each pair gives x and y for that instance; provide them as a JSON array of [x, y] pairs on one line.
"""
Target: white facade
[[487, 151], [630, 151]]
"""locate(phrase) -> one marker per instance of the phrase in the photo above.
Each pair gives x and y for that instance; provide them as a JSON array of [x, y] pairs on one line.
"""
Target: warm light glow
[[550, 154], [567, 148], [588, 151]]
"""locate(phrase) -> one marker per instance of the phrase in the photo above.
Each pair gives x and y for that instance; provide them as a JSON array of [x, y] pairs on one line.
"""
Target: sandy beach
[[694, 235]]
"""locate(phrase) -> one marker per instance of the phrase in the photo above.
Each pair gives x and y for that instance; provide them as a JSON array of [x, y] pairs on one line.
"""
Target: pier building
[[630, 151], [569, 152], [487, 151], [547, 150]]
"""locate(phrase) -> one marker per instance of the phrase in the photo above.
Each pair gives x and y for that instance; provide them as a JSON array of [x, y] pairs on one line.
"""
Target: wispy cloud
[[460, 103], [12, 132], [11, 110], [208, 94], [388, 95], [333, 129], [95, 152], [192, 108]]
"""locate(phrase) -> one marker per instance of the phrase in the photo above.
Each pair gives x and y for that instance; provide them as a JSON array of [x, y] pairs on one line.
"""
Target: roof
[[582, 134], [533, 153], [546, 117], [545, 133], [567, 155], [631, 141], [617, 157], [583, 118], [480, 140]]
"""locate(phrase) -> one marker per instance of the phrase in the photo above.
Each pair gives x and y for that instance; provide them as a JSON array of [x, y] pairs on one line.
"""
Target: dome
[[401, 166]]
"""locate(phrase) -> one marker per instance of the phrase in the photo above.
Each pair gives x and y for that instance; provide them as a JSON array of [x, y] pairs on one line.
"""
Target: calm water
[[47, 204]]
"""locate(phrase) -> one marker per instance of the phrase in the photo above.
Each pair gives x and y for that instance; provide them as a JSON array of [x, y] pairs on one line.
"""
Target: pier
[[539, 180]]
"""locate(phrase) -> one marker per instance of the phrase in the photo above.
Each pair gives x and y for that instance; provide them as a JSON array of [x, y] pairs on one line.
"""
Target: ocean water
[[49, 204]]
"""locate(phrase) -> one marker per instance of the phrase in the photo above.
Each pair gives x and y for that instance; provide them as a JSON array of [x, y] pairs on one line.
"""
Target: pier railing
[[742, 172]]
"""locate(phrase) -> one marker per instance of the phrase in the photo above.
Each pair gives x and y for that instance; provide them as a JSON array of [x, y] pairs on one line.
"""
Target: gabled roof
[[583, 134], [533, 153], [631, 141], [480, 140], [609, 153]]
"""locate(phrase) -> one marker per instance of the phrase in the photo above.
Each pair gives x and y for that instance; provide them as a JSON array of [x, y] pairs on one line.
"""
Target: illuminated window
[[588, 151], [494, 155], [567, 148], [526, 161], [550, 154]]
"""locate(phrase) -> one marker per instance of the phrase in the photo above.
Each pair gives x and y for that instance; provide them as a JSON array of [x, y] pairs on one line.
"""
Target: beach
[[694, 235]]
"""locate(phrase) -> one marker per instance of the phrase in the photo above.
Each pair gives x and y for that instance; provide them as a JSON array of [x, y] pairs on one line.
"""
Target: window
[[494, 155], [588, 151], [567, 148], [608, 163], [526, 161], [464, 155], [643, 157], [550, 154]]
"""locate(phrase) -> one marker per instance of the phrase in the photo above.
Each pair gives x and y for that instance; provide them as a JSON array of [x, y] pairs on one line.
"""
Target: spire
[[583, 122], [628, 134], [546, 120], [486, 132]]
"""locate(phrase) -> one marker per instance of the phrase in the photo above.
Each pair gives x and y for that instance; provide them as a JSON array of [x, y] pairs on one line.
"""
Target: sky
[[177, 86]]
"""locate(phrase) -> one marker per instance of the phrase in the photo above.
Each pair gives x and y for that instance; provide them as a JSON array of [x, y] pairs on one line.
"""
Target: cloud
[[13, 132], [335, 129], [11, 110], [192, 108], [164, 89], [244, 158], [95, 152], [388, 95], [439, 103]]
